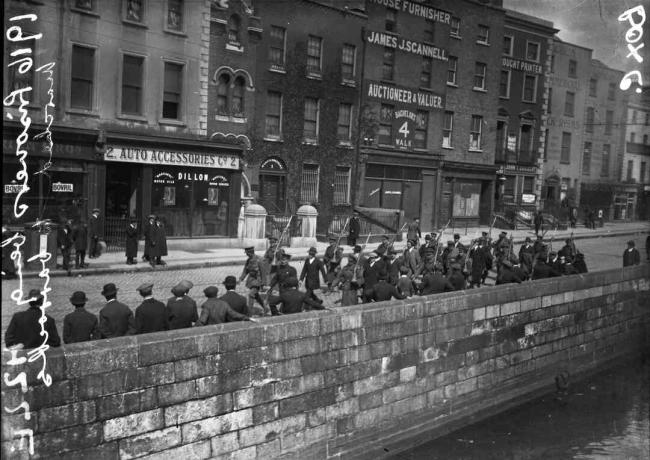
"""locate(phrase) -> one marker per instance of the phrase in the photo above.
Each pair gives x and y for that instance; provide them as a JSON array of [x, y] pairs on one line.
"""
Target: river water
[[604, 416]]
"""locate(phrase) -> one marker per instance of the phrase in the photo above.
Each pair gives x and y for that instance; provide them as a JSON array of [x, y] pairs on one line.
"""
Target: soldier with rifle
[[349, 280], [333, 257]]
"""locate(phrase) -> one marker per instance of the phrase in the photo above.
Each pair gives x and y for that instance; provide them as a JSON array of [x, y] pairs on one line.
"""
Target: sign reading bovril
[[170, 157]]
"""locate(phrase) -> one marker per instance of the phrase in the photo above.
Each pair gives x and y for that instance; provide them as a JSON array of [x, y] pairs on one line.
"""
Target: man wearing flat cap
[[80, 325], [631, 255], [237, 302], [216, 311], [115, 318], [456, 277], [311, 270], [24, 328], [252, 273], [527, 256], [182, 311], [150, 315]]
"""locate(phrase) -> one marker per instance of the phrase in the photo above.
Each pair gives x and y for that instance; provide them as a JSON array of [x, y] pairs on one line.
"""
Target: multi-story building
[[570, 67], [602, 144], [307, 83], [522, 120], [633, 202], [129, 94]]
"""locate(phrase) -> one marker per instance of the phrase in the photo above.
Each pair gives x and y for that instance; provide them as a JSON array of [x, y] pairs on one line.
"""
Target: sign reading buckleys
[[168, 157], [402, 95]]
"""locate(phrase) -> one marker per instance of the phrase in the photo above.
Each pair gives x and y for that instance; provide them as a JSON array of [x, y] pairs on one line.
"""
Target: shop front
[[516, 188], [195, 193], [467, 195]]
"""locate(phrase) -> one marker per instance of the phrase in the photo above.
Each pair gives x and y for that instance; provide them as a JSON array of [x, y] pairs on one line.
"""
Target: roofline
[[543, 24]]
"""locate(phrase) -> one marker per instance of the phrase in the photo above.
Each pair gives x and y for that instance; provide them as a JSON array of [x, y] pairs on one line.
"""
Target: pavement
[[181, 260]]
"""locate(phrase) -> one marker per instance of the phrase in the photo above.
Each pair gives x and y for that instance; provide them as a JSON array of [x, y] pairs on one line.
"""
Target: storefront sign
[[168, 157], [564, 83], [518, 64], [416, 9], [519, 168], [13, 188], [165, 177], [563, 123], [402, 95], [404, 128], [410, 46], [528, 198], [59, 187]]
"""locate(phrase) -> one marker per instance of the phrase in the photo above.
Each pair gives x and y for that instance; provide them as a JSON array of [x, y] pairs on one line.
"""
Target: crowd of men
[[274, 285]]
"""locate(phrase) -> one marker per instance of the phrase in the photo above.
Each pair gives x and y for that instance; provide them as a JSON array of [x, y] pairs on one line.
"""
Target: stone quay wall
[[350, 383]]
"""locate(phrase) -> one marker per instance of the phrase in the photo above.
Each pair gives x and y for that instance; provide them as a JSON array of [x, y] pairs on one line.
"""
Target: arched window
[[234, 25], [237, 106], [222, 94]]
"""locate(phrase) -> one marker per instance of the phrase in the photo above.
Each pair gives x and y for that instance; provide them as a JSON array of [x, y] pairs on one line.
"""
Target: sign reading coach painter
[[170, 157]]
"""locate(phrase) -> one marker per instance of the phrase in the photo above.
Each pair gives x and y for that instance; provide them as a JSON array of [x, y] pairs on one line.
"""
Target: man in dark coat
[[24, 327], [132, 242], [148, 232], [527, 255], [647, 247], [332, 261], [80, 325], [294, 301], [555, 262], [8, 265], [181, 309], [435, 283], [543, 270], [354, 229], [270, 260], [283, 274], [507, 274], [94, 230], [580, 264], [372, 271], [160, 237], [412, 258], [631, 255], [413, 231], [216, 311], [311, 270], [457, 279], [568, 250], [80, 237], [150, 315], [479, 262], [115, 318], [237, 302], [64, 242], [539, 222], [383, 291]]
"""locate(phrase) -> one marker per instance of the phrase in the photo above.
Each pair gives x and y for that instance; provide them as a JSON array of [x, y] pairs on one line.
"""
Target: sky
[[593, 24]]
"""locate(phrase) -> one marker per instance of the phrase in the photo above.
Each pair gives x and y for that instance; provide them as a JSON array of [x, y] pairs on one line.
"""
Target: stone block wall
[[334, 384]]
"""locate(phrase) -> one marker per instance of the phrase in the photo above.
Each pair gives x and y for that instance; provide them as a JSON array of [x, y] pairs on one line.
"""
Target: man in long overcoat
[[115, 318], [132, 242], [311, 270], [478, 254], [631, 255], [94, 230], [148, 232], [161, 241], [80, 325], [354, 229], [80, 237], [64, 242]]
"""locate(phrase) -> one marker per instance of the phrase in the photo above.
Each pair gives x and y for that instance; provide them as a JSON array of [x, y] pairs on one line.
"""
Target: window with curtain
[[172, 93], [480, 70], [132, 78], [314, 48], [475, 133], [277, 45], [348, 54], [447, 129], [273, 114], [237, 105], [452, 67], [310, 129]]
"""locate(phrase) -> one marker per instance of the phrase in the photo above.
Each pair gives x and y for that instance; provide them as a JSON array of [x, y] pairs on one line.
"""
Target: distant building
[[521, 124]]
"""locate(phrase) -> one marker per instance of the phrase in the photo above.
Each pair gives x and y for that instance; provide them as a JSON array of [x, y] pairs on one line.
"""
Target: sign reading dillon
[[403, 95], [167, 157]]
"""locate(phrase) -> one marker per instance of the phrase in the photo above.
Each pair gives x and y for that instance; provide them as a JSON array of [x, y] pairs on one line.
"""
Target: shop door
[[427, 210], [273, 193]]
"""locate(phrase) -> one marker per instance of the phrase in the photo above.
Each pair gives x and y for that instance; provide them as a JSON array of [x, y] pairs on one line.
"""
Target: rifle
[[275, 254], [572, 243], [356, 265], [489, 241], [550, 243]]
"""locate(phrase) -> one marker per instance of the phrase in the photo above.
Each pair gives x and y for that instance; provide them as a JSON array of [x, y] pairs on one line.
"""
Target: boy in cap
[[115, 318], [235, 301], [216, 311], [252, 274], [80, 325], [311, 270], [151, 315], [24, 328], [631, 255], [181, 309]]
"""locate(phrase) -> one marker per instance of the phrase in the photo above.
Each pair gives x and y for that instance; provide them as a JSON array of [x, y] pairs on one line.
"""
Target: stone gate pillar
[[254, 229], [307, 216]]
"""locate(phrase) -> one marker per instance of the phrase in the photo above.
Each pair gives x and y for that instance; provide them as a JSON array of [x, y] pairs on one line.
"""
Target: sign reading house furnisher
[[170, 157]]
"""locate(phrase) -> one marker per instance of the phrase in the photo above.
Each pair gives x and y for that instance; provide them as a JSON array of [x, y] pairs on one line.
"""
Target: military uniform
[[507, 274], [252, 273], [349, 284]]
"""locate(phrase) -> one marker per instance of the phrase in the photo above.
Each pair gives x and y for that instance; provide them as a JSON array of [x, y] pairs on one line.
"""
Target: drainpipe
[[358, 170]]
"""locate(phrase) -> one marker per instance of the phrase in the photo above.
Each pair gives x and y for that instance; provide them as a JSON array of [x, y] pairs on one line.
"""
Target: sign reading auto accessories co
[[170, 157], [425, 100]]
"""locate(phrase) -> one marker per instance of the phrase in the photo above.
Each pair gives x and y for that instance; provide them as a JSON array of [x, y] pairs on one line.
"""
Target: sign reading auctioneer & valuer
[[170, 157]]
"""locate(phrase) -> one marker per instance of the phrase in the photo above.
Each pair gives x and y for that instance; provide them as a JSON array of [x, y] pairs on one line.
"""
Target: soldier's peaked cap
[[145, 287]]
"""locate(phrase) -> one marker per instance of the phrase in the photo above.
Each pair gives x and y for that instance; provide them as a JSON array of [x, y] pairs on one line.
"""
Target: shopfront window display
[[467, 197]]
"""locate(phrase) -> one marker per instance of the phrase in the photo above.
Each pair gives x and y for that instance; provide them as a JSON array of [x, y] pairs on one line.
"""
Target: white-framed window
[[310, 126], [342, 185], [447, 129], [475, 132], [425, 73], [508, 44], [344, 127], [386, 124], [452, 70], [565, 150], [132, 85], [309, 183], [348, 60], [314, 55], [532, 51], [273, 128], [504, 84], [483, 37], [480, 71], [421, 129], [573, 68], [611, 91], [134, 11], [173, 91], [277, 47], [529, 93], [82, 77], [388, 64], [569, 104], [454, 30], [174, 19]]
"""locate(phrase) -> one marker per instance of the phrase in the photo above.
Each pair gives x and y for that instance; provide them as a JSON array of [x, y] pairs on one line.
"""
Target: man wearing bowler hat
[[80, 325], [24, 328], [148, 232], [237, 302], [310, 274], [151, 315], [216, 311], [181, 309], [132, 242], [115, 318], [94, 234]]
